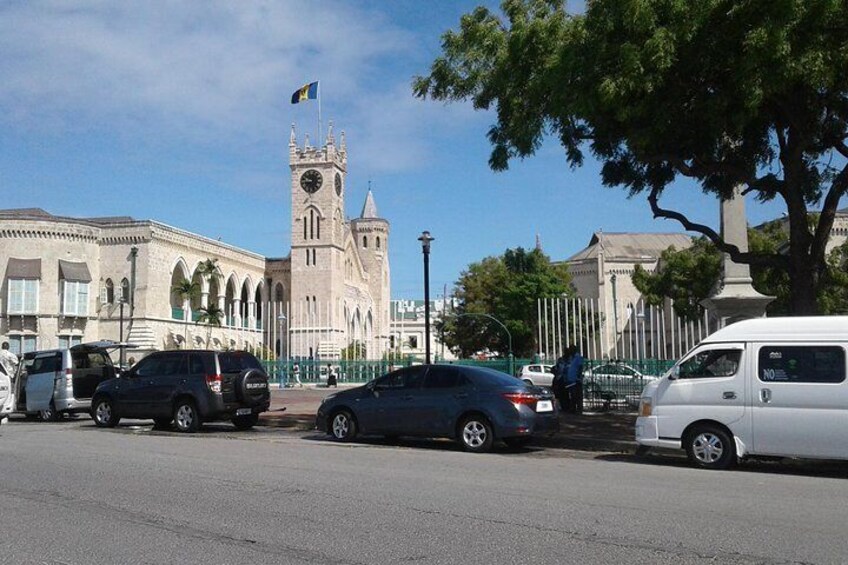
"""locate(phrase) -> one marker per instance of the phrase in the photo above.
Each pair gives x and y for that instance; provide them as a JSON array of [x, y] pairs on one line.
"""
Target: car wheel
[[710, 447], [475, 434], [517, 442], [186, 417], [343, 426], [245, 422], [50, 415], [103, 413], [161, 423]]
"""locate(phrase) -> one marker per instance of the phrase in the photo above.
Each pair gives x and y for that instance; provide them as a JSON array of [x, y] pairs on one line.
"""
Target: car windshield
[[237, 361]]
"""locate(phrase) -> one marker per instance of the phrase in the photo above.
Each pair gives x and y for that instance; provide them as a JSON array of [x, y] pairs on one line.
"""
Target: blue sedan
[[472, 405]]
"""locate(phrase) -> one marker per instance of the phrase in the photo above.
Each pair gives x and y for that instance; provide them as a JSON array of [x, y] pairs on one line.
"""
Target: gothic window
[[312, 224], [365, 241], [125, 290], [378, 242], [318, 228], [313, 257], [108, 296], [304, 227], [307, 257]]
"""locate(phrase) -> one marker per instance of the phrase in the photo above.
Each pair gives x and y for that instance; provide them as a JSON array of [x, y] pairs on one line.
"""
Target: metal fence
[[607, 384]]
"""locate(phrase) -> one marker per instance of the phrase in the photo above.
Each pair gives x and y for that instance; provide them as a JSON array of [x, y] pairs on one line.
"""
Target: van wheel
[[710, 447], [50, 415], [186, 417], [103, 413]]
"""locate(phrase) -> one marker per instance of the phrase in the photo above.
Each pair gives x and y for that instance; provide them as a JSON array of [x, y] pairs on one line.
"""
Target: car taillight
[[69, 378], [214, 382], [521, 398]]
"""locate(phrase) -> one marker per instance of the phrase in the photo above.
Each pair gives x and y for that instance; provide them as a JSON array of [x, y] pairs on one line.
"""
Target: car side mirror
[[675, 373]]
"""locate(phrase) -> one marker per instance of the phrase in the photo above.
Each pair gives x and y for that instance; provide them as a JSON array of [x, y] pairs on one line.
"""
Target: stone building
[[70, 280]]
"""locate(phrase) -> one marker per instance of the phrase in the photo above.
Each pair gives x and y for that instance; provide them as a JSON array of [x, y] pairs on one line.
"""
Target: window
[[49, 363], [365, 241], [125, 290], [68, 341], [23, 296], [307, 257], [444, 377], [161, 365], [313, 257], [304, 227], [318, 228], [802, 364], [413, 342], [88, 359], [312, 224], [74, 298], [409, 377], [107, 293], [378, 242], [711, 363], [20, 344]]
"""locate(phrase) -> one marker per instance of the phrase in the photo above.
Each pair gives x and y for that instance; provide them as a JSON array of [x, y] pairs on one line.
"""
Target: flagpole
[[320, 132]]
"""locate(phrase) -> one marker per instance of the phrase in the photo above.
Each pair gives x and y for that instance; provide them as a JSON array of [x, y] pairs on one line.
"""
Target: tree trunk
[[803, 274]]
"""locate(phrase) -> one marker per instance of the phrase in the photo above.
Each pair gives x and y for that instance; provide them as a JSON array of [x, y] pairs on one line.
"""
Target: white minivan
[[766, 387]]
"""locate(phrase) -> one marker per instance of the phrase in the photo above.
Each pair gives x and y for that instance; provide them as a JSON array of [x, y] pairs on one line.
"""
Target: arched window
[[109, 296], [378, 242], [125, 290], [312, 224], [304, 227], [307, 257], [365, 241], [318, 228]]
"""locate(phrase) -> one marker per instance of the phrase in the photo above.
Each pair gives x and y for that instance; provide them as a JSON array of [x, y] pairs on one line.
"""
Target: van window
[[802, 364], [711, 363], [45, 364]]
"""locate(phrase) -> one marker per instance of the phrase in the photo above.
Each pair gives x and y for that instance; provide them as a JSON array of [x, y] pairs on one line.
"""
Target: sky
[[179, 112]]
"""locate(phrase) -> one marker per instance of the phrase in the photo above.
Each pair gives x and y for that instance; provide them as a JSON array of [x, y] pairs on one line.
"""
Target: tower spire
[[369, 210], [292, 137], [331, 139]]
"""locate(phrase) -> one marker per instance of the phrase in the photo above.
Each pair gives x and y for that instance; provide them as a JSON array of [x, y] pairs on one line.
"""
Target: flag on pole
[[306, 92]]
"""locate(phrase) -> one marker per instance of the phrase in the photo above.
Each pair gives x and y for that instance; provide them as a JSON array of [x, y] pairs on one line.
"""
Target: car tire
[[245, 422], [103, 413], [186, 418], [50, 415], [517, 442], [710, 447], [161, 423], [343, 426], [476, 434]]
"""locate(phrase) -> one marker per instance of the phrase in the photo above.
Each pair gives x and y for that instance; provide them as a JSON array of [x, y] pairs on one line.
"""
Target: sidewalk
[[591, 431]]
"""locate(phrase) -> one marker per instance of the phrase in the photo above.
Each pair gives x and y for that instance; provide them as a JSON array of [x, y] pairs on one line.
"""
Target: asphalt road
[[74, 494]]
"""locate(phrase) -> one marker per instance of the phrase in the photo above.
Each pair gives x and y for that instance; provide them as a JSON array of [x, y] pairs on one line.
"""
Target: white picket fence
[[621, 330]]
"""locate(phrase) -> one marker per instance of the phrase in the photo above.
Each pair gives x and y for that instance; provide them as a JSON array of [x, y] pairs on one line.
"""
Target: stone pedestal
[[734, 298]]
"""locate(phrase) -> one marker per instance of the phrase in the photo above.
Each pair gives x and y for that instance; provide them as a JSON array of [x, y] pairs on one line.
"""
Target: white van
[[767, 387]]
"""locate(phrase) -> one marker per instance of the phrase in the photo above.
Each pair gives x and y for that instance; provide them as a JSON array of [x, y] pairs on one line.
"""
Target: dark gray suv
[[188, 387]]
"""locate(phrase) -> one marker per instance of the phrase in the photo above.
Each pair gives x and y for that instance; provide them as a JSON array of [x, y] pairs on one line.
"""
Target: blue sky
[[179, 111]]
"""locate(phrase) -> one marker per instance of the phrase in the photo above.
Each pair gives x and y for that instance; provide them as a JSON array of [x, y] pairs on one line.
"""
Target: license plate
[[244, 411], [544, 406]]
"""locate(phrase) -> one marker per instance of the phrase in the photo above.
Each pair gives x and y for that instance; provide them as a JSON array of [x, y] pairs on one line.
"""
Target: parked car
[[614, 383], [472, 405], [6, 395], [53, 382], [188, 387], [537, 375]]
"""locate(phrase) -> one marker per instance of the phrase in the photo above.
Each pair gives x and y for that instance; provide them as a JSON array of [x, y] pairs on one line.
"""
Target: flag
[[306, 92]]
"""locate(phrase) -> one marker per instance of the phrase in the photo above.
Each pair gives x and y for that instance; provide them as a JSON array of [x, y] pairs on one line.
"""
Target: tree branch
[[838, 189], [842, 148], [738, 256]]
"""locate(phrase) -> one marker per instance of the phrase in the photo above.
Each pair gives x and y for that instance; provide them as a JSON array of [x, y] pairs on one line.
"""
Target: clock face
[[311, 181], [338, 184]]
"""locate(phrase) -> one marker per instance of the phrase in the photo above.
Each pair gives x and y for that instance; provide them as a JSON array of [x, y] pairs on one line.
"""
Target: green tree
[[355, 350], [212, 316], [186, 290], [728, 93], [507, 288]]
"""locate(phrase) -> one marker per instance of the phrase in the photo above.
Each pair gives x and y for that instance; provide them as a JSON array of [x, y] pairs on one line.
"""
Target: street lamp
[[121, 302], [425, 240]]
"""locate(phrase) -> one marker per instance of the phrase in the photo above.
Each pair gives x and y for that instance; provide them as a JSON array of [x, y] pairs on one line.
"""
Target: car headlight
[[645, 406]]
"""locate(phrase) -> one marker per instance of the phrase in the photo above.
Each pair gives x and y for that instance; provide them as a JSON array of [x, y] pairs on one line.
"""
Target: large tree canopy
[[507, 289], [750, 93]]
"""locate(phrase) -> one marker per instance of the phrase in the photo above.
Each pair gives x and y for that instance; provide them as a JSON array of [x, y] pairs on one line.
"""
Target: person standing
[[8, 359], [558, 383], [574, 381], [296, 375], [332, 380]]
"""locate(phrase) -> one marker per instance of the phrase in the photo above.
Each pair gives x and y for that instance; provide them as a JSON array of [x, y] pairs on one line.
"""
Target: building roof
[[369, 210], [631, 245], [41, 214]]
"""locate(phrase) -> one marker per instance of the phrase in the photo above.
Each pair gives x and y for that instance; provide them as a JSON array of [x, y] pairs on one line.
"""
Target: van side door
[[800, 400], [42, 374], [710, 384]]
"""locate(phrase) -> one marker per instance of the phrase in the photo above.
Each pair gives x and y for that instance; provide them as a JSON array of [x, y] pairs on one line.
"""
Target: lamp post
[[121, 302], [501, 324], [284, 346], [425, 240]]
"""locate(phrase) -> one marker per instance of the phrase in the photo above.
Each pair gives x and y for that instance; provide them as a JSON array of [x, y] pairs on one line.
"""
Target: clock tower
[[317, 238]]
